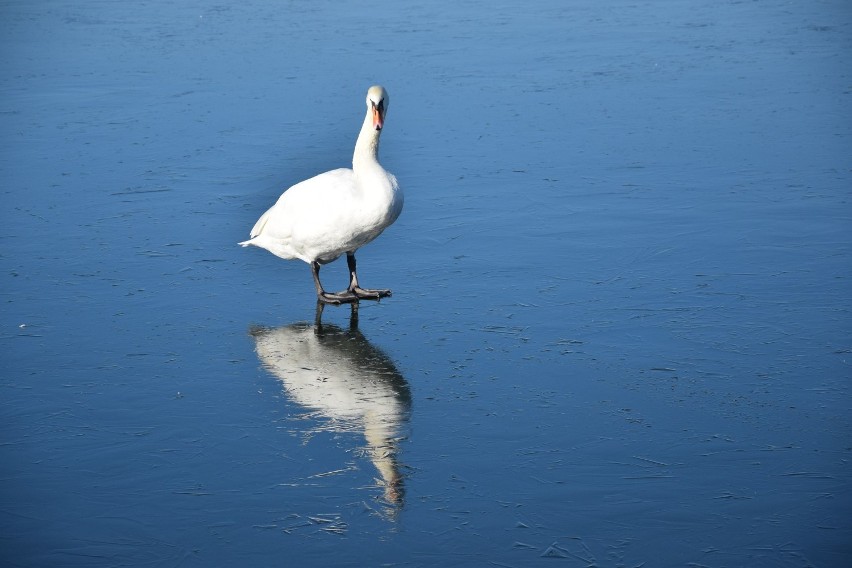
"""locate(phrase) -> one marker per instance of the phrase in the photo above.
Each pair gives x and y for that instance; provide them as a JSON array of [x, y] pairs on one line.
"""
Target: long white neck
[[367, 147]]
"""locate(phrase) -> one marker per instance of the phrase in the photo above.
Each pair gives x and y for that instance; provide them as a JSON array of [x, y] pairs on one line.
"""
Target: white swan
[[336, 212]]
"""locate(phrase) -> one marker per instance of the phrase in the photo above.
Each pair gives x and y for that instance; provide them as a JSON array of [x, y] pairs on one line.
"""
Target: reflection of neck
[[383, 455]]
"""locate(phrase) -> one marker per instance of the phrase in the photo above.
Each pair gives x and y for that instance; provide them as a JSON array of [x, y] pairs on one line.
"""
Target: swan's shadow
[[348, 383]]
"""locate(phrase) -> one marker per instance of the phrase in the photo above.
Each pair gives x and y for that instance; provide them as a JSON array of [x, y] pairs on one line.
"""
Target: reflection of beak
[[378, 121]]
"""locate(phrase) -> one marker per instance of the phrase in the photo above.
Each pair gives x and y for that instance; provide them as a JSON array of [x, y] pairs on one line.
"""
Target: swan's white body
[[336, 212], [327, 215]]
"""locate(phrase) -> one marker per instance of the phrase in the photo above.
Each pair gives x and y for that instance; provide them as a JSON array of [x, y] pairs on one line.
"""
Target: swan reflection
[[342, 377]]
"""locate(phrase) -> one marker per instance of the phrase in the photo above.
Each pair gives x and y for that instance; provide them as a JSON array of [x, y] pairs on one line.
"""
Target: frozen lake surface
[[620, 331]]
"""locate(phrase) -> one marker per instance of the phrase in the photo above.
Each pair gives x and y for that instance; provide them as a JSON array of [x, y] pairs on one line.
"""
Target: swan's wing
[[310, 206], [309, 220]]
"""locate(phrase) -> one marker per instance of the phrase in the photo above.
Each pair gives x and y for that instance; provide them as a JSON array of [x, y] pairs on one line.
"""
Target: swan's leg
[[354, 288], [326, 297]]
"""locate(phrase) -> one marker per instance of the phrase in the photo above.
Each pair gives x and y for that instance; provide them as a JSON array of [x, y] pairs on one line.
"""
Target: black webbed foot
[[369, 293], [345, 297]]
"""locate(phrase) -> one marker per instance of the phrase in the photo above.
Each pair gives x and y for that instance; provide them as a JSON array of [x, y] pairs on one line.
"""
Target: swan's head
[[377, 105]]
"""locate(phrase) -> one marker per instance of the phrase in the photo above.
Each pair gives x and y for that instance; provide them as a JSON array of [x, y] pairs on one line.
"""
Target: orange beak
[[378, 121]]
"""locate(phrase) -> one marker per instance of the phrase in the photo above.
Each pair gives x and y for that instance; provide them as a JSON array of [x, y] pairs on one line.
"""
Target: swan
[[336, 212]]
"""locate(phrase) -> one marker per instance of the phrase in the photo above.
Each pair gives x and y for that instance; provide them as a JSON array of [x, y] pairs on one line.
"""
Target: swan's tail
[[256, 230], [261, 223]]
